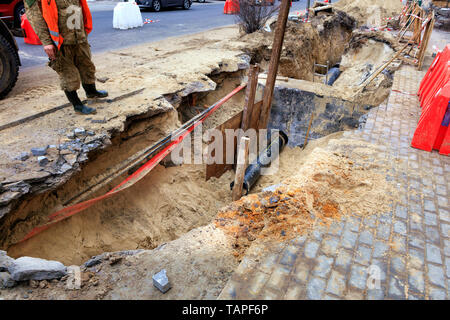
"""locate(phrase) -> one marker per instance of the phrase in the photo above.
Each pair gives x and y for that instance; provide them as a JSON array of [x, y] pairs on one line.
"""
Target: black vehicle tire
[[9, 67], [186, 4], [18, 12], [156, 5]]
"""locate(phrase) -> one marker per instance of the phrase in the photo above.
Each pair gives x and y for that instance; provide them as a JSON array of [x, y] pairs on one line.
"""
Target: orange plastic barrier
[[434, 94], [231, 7], [30, 36]]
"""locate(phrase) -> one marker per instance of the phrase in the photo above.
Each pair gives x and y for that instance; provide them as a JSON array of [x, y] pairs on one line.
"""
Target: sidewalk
[[408, 248]]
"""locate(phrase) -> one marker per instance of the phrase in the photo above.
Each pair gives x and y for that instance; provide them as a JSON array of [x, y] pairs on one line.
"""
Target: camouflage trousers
[[74, 64]]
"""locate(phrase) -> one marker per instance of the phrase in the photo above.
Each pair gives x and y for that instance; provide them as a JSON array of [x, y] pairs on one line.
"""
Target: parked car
[[157, 5], [9, 60], [11, 11]]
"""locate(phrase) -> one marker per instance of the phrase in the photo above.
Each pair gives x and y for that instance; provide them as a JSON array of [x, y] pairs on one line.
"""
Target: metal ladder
[[327, 66]]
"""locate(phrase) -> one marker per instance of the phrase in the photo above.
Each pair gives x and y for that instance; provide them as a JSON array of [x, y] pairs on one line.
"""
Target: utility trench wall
[[293, 108]]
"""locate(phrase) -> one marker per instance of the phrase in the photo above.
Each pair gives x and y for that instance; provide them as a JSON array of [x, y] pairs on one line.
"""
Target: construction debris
[[28, 268], [161, 281]]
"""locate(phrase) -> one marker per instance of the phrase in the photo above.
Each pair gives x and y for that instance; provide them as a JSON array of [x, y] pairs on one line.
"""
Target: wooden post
[[242, 160], [425, 40], [250, 95], [274, 60], [308, 4]]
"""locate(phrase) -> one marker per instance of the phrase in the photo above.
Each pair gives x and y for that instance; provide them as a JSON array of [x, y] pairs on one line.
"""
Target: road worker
[[63, 27]]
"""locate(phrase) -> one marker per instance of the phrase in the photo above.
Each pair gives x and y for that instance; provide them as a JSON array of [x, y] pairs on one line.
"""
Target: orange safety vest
[[50, 14]]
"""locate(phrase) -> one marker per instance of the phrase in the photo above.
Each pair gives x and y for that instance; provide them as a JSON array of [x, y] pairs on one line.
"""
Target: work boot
[[77, 104], [92, 92]]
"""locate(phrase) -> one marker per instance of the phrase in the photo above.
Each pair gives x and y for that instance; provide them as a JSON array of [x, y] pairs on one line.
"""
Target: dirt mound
[[370, 12], [329, 185], [322, 40]]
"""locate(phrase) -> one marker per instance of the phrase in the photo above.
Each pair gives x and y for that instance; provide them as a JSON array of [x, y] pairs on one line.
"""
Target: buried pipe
[[333, 75], [263, 160]]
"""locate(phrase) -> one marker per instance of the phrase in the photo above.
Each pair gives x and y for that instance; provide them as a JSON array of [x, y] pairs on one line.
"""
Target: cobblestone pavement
[[401, 254]]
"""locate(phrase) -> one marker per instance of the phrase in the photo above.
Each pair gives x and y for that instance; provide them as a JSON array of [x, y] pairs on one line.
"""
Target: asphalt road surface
[[172, 22]]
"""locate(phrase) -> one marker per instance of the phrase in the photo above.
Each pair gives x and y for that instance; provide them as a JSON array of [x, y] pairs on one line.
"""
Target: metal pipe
[[253, 171]]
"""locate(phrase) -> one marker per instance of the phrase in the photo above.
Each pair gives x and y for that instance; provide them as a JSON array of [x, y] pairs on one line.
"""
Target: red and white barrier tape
[[129, 181]]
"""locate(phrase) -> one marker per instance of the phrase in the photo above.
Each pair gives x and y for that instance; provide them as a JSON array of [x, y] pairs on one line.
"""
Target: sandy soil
[[370, 12], [198, 265], [338, 177]]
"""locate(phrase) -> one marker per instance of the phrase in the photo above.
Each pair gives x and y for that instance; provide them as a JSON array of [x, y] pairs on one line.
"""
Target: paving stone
[[301, 272], [385, 218], [289, 256], [447, 247], [298, 241], [445, 230], [430, 218], [311, 248], [375, 294], [447, 267], [354, 295], [257, 283], [429, 205], [396, 289], [400, 227], [330, 245], [444, 215], [366, 237], [328, 297], [441, 190], [398, 264], [353, 224], [442, 201], [358, 277], [295, 291], [370, 221], [436, 275], [380, 249], [416, 258], [343, 259], [398, 244], [229, 292], [363, 255], [432, 235], [267, 263], [401, 211], [336, 228], [349, 239], [336, 284], [416, 280], [279, 277], [315, 288], [437, 294], [383, 231], [323, 266], [433, 253]]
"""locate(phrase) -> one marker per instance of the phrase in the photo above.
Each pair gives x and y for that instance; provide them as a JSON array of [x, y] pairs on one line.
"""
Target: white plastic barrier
[[127, 15]]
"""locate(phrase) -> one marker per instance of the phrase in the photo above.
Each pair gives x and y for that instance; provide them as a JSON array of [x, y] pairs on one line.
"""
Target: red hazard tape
[[132, 179]]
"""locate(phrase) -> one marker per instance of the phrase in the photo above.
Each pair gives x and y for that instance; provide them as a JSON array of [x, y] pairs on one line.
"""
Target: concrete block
[[161, 281]]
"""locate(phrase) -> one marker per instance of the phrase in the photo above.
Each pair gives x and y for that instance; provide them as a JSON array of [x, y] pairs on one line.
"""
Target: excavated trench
[[172, 200]]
